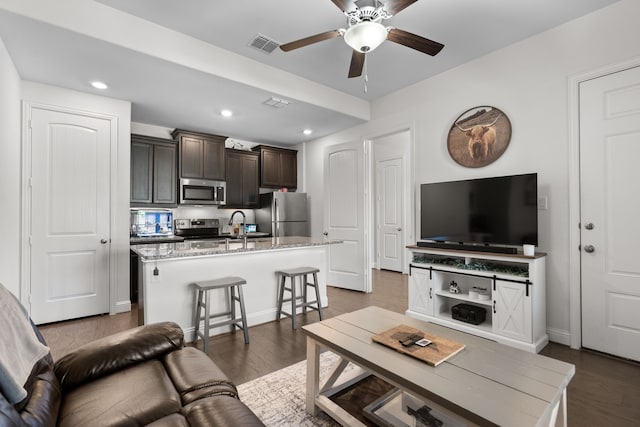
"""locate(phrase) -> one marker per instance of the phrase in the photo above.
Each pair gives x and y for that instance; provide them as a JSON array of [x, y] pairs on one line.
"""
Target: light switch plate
[[543, 203]]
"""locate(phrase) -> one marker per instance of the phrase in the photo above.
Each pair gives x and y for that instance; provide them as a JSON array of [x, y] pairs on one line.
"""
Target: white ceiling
[[47, 46]]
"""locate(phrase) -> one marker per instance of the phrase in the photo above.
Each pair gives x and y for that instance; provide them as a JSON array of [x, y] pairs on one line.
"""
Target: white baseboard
[[122, 307], [559, 336]]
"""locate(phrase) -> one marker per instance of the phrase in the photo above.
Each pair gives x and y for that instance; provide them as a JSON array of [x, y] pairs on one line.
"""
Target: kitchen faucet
[[244, 217]]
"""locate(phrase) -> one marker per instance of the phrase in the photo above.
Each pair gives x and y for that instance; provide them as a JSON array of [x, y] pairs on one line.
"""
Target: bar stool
[[302, 273], [231, 285]]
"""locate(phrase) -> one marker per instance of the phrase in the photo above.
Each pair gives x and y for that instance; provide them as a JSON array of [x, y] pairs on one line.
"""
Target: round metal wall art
[[479, 136]]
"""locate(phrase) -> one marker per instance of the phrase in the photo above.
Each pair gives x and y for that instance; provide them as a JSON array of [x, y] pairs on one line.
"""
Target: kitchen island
[[167, 270]]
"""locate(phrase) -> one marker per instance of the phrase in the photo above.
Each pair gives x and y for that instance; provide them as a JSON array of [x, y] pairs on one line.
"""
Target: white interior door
[[390, 213], [344, 216], [610, 208], [392, 222], [69, 215]]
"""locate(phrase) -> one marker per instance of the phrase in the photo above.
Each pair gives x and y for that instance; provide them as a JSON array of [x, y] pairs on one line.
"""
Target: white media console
[[515, 304]]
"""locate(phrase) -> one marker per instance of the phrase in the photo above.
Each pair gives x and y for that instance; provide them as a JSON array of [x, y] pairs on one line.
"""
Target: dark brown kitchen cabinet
[[153, 171], [242, 179], [201, 155], [278, 167]]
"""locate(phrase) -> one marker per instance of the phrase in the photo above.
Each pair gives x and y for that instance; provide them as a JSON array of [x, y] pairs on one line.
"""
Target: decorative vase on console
[[453, 287]]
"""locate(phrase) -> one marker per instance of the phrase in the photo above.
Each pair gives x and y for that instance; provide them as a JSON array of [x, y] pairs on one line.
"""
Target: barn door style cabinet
[[510, 289], [153, 172], [201, 155], [278, 167], [242, 179]]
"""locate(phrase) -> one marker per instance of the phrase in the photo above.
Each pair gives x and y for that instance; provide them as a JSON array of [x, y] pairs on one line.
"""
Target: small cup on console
[[529, 250]]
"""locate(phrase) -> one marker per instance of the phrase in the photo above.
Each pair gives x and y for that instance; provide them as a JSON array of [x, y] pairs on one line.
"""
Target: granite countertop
[[137, 240], [191, 248]]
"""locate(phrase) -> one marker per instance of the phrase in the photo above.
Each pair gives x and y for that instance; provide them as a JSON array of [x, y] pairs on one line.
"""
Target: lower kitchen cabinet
[[153, 171], [242, 179]]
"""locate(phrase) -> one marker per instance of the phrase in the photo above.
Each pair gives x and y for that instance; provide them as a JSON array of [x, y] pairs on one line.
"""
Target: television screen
[[501, 210]]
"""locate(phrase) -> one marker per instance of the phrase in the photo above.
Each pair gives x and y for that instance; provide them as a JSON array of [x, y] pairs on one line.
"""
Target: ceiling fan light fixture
[[365, 36]]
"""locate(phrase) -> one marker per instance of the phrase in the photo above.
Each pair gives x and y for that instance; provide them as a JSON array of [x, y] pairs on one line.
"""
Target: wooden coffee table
[[486, 383]]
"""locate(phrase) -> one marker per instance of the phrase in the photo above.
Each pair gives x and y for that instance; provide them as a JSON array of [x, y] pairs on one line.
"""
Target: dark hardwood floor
[[604, 392]]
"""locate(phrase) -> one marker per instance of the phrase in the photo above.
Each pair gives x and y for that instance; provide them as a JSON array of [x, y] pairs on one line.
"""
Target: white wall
[[9, 173], [36, 93], [529, 82]]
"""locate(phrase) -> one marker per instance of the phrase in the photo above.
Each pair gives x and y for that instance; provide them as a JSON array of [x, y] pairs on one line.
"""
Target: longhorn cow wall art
[[479, 136]]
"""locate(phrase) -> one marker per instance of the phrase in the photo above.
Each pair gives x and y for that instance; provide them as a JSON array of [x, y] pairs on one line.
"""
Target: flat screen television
[[487, 211]]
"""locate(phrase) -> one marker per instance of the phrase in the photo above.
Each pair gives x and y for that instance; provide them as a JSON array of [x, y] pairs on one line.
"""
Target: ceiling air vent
[[264, 43], [276, 102]]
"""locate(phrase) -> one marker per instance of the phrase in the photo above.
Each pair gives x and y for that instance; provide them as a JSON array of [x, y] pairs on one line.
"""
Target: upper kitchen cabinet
[[201, 155], [153, 171], [278, 167], [242, 179]]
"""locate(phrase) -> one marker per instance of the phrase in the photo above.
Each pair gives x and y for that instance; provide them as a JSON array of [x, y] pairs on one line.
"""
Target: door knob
[[589, 248], [103, 241], [399, 229], [589, 226], [326, 233]]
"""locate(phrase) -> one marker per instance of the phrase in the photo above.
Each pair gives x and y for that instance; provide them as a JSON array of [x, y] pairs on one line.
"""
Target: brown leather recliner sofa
[[143, 376]]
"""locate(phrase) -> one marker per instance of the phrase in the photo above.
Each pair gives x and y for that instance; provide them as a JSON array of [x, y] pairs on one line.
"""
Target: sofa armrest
[[116, 352]]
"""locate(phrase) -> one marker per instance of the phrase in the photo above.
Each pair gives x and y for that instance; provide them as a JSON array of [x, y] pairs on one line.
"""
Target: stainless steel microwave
[[202, 192]]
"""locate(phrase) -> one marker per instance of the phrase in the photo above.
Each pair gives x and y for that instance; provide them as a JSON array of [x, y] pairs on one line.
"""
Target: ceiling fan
[[365, 31]]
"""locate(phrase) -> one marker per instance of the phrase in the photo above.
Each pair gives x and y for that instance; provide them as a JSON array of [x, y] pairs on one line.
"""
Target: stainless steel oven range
[[192, 229]]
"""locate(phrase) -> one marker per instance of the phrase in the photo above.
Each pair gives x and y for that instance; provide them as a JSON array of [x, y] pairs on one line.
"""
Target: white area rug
[[278, 398]]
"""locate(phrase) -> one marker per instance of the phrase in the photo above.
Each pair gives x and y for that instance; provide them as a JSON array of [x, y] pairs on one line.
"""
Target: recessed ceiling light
[[99, 85], [226, 113], [307, 131]]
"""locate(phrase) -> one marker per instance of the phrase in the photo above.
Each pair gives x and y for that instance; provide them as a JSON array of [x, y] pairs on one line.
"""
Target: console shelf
[[463, 297], [515, 311]]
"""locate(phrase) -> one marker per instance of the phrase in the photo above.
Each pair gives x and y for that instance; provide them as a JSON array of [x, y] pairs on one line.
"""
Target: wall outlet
[[543, 203]]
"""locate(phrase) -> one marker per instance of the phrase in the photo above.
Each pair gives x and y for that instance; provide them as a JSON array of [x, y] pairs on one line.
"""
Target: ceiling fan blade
[[310, 40], [414, 41], [396, 6], [344, 5], [357, 63]]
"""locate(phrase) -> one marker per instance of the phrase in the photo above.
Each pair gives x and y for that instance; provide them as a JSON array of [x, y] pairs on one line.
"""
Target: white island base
[[170, 296]]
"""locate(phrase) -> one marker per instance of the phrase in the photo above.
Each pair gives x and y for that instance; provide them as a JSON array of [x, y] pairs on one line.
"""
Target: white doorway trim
[[410, 193], [575, 321]]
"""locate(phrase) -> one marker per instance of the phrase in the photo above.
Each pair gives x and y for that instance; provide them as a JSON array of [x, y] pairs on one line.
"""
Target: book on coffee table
[[434, 353]]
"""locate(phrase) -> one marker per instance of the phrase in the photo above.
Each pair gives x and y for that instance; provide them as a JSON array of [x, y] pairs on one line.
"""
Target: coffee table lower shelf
[[398, 408], [395, 408]]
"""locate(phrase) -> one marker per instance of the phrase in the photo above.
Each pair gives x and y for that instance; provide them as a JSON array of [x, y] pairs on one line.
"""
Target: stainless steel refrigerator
[[283, 214]]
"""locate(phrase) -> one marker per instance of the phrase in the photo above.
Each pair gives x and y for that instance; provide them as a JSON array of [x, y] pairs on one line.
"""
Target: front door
[[610, 207], [69, 215], [344, 216]]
